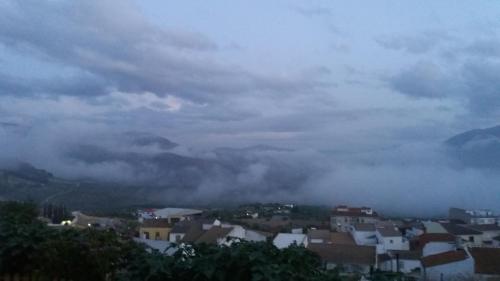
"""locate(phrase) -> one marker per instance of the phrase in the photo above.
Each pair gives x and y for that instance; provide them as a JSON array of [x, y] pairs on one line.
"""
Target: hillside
[[476, 148]]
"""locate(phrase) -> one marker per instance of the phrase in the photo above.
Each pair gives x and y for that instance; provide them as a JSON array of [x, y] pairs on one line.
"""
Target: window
[[146, 234], [157, 236], [390, 241], [471, 238], [177, 238]]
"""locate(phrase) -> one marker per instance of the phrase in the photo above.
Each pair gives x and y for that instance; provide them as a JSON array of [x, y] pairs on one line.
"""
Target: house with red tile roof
[[342, 217], [447, 266], [486, 263]]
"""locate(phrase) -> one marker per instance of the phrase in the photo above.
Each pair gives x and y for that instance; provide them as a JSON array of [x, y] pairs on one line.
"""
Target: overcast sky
[[338, 76], [322, 74]]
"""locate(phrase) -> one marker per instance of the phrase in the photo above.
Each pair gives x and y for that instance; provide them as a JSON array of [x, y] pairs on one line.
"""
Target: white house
[[390, 238], [433, 227], [447, 266], [319, 236], [284, 240], [435, 243], [483, 216], [400, 261], [178, 231], [352, 258], [343, 217], [256, 236], [489, 232], [364, 234], [465, 236]]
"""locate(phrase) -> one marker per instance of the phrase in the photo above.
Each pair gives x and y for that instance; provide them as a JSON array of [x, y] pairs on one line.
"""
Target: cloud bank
[[362, 121]]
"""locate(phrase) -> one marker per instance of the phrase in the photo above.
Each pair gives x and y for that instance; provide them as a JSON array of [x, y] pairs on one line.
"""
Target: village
[[357, 241]]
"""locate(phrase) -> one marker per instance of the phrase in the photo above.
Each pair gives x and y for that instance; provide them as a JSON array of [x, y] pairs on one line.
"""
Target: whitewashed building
[[390, 238], [479, 216], [284, 240], [364, 234], [343, 217], [447, 266], [400, 261]]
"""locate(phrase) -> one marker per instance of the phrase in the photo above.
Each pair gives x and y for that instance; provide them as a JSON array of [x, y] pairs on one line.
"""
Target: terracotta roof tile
[[345, 254], [213, 234], [486, 260], [444, 258]]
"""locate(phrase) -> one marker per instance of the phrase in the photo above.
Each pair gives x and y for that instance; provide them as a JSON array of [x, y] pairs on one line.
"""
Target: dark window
[[157, 235], [174, 220], [146, 234], [471, 238]]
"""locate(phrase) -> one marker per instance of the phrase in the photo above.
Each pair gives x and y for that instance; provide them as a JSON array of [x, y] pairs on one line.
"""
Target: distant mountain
[[147, 139], [476, 148], [27, 172], [250, 149], [163, 168], [462, 139]]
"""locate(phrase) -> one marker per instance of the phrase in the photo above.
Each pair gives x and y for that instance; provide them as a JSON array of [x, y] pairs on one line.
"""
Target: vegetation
[[32, 248]]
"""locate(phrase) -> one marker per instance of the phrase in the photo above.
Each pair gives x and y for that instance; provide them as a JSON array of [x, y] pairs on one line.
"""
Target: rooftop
[[388, 231], [342, 238], [456, 229], [194, 232], [344, 254], [213, 234], [433, 227], [486, 260], [364, 226], [319, 234], [434, 237], [444, 258], [283, 240], [484, 227]]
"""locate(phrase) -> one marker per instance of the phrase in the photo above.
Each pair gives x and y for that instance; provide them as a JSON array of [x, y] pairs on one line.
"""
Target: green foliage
[[30, 247], [245, 261]]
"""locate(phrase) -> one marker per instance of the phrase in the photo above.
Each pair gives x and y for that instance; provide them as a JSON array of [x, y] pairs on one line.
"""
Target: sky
[[362, 77]]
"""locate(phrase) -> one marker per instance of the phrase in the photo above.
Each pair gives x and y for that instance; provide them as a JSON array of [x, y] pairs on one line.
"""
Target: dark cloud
[[115, 42], [475, 82], [423, 80], [80, 85], [484, 48]]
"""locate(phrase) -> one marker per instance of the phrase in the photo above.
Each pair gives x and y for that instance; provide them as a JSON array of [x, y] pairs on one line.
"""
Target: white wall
[[254, 236], [450, 271], [172, 237], [433, 248], [362, 237], [393, 243]]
